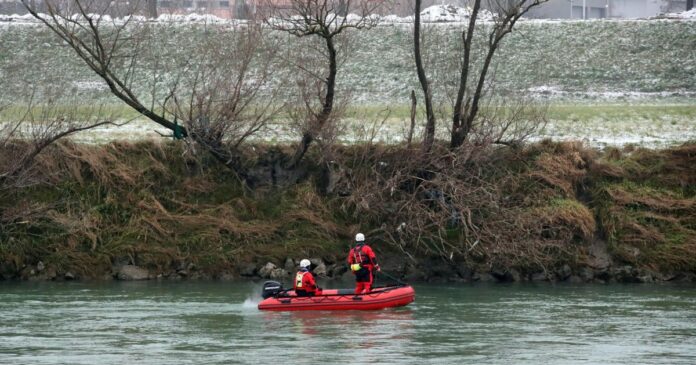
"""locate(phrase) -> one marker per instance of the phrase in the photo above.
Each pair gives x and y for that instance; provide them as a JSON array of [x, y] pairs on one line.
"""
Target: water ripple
[[218, 323]]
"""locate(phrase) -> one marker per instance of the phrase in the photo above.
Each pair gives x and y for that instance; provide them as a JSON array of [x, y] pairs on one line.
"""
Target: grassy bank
[[577, 61], [546, 207], [598, 125]]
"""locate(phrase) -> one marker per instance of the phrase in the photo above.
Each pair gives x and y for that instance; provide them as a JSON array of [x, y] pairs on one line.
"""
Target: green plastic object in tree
[[178, 131]]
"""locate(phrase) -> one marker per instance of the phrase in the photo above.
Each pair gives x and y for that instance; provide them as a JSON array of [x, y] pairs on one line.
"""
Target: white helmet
[[305, 263], [359, 237]]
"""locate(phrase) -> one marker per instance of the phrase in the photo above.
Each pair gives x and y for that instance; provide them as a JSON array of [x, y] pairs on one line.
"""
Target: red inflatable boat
[[336, 299]]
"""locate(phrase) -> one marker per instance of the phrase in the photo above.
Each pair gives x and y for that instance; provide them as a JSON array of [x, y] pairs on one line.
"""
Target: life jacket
[[299, 282], [360, 257], [298, 279]]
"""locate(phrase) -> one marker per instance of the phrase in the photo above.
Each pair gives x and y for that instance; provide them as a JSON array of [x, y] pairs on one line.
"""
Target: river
[[218, 323]]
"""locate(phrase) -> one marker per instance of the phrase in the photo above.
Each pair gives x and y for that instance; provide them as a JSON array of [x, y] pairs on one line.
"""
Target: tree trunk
[[472, 111], [327, 107], [458, 136], [302, 148], [475, 101], [689, 4], [429, 138], [413, 117]]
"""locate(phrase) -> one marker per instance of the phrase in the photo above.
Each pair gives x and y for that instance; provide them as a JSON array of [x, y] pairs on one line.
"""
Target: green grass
[[581, 59], [648, 207], [114, 111], [572, 62], [653, 125], [621, 112], [556, 111]]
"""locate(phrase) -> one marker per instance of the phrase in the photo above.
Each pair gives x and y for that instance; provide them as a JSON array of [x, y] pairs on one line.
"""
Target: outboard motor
[[271, 289]]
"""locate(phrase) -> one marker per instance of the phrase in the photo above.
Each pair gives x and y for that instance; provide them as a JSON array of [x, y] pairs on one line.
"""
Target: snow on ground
[[602, 133], [16, 17], [598, 131], [451, 13], [689, 14], [581, 62], [546, 92], [575, 61], [432, 14], [163, 18], [194, 18]]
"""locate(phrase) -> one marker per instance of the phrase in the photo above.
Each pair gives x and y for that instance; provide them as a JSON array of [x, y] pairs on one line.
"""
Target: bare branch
[[321, 19], [466, 105], [214, 94]]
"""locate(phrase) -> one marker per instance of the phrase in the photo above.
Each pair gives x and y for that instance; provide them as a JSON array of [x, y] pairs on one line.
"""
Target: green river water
[[218, 323]]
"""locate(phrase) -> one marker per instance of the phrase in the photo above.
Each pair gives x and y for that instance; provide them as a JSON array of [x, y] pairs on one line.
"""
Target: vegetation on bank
[[599, 125], [646, 204], [162, 206], [484, 203]]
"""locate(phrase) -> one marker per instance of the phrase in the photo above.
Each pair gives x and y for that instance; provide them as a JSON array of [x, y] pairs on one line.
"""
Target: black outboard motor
[[271, 289]]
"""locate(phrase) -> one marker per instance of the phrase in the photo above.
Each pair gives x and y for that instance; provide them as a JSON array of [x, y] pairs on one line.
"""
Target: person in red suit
[[305, 285], [362, 262]]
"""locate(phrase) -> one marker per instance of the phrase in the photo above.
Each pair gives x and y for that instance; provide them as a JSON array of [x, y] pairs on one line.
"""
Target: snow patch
[[17, 18], [432, 14], [688, 14], [396, 19], [451, 13], [89, 85], [193, 18], [553, 92], [164, 18]]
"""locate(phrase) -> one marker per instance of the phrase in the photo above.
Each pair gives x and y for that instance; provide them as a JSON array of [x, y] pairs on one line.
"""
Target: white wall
[[634, 8], [560, 9]]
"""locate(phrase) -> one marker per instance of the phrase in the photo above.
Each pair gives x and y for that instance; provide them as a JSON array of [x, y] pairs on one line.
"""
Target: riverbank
[[549, 211]]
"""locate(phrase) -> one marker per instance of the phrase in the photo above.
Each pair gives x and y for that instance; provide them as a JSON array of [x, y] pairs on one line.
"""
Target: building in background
[[9, 7], [597, 9]]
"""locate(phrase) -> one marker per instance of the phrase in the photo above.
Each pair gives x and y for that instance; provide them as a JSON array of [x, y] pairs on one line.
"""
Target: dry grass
[[159, 206], [646, 203], [561, 167], [147, 204], [488, 208], [568, 216]]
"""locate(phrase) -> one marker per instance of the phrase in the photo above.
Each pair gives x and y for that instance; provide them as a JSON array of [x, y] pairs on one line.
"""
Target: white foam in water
[[253, 299], [251, 303]]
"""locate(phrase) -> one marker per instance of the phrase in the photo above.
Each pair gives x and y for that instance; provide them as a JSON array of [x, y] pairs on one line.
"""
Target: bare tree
[[211, 95], [507, 121], [222, 105], [472, 80], [423, 80], [322, 19], [507, 13], [23, 143], [24, 139]]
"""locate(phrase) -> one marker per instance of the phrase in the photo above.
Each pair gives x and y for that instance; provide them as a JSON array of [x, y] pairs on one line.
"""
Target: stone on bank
[[132, 272]]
